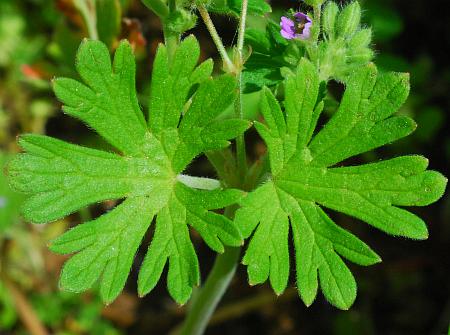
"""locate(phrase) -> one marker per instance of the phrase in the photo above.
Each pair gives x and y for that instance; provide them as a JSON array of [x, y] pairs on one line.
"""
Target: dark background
[[409, 293]]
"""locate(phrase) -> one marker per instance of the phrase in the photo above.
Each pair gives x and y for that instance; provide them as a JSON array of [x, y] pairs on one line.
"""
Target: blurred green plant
[[10, 201], [8, 316]]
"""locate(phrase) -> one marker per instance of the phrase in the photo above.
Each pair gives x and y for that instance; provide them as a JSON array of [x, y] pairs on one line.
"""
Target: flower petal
[[302, 16], [287, 35]]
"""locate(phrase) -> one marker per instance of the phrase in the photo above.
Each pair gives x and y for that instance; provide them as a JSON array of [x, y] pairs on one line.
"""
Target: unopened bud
[[314, 3], [349, 20], [329, 19], [361, 39], [360, 56]]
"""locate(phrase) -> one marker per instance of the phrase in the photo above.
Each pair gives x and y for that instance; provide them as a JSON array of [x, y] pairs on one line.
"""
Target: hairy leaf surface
[[305, 178], [62, 178]]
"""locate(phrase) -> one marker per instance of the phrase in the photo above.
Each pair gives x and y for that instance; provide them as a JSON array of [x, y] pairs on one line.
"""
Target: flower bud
[[329, 19], [361, 39], [314, 3], [349, 20], [299, 27], [360, 56]]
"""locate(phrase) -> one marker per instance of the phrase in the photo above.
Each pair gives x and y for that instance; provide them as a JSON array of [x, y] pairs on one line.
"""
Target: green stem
[[228, 64], [163, 11], [238, 107], [199, 182], [171, 39], [242, 25], [225, 265], [241, 154], [212, 291]]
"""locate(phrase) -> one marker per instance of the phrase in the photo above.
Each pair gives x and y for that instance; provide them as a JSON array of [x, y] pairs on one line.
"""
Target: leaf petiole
[[228, 64], [240, 140], [199, 182], [212, 291]]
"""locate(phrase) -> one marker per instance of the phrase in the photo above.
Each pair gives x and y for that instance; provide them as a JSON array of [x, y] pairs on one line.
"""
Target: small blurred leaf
[[63, 47], [108, 20], [8, 314], [384, 20], [263, 68], [12, 26], [233, 7], [429, 121]]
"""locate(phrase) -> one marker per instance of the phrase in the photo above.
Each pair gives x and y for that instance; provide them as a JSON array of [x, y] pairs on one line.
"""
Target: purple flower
[[299, 27]]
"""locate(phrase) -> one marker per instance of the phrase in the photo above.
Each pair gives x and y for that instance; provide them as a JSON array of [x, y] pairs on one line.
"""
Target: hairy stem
[[242, 25], [171, 38], [228, 64], [238, 107], [212, 291], [241, 154]]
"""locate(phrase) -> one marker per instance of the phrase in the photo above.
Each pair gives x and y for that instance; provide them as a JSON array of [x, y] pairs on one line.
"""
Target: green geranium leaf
[[62, 178], [305, 179], [109, 13], [269, 55]]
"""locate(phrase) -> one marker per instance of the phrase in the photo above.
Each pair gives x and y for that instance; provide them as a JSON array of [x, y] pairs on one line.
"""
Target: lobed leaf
[[171, 243], [270, 53], [61, 178], [173, 83], [303, 180], [363, 121], [107, 101], [105, 247]]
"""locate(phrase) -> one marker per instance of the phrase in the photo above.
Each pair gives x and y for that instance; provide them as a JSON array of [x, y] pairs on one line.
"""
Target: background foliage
[[409, 293]]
